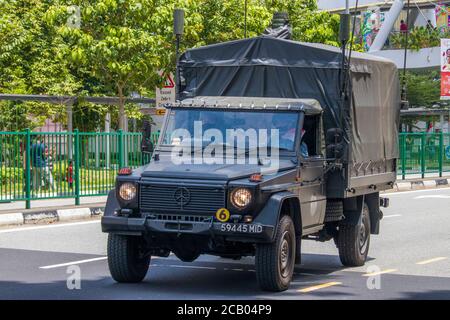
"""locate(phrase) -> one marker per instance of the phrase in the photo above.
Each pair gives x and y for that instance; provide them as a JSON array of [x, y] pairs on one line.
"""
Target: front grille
[[162, 198]]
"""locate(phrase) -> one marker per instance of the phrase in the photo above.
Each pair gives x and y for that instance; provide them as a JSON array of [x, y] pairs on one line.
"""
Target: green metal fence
[[424, 153], [49, 165]]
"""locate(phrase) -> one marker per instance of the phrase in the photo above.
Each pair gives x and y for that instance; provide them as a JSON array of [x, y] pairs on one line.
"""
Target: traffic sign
[[166, 94], [160, 112]]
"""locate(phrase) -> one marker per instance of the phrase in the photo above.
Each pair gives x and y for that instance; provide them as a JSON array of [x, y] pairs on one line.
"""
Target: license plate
[[241, 227]]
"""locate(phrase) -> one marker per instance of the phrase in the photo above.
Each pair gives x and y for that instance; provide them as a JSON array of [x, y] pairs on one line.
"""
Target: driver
[[288, 129]]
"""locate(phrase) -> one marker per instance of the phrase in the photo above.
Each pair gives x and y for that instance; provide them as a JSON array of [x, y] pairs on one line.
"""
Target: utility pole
[[178, 28]]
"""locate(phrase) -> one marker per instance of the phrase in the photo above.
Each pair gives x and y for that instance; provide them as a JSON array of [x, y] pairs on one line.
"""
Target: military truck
[[330, 191]]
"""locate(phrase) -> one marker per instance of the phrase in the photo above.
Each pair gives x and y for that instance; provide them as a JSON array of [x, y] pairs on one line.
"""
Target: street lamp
[[178, 28]]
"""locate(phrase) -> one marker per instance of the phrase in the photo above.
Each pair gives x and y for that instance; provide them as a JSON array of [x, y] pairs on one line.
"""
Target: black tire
[[353, 240], [334, 211], [275, 261], [125, 259]]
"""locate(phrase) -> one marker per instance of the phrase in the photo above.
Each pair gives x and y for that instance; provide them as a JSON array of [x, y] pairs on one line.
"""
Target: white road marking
[[392, 216], [378, 273], [72, 263], [59, 225], [320, 286], [433, 196], [431, 260], [413, 191]]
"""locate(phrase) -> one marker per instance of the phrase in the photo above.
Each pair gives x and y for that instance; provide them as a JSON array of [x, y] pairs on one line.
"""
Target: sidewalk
[[51, 211], [51, 204], [416, 182]]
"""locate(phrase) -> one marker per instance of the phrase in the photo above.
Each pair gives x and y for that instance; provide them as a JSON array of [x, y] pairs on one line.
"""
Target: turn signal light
[[125, 171], [248, 219], [257, 177]]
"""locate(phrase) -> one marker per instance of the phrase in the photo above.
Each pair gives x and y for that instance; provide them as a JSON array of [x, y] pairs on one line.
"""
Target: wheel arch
[[282, 203]]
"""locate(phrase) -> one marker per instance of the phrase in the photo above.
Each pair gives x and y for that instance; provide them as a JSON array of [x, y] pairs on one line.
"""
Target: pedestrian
[[38, 164], [70, 174], [48, 177], [403, 27]]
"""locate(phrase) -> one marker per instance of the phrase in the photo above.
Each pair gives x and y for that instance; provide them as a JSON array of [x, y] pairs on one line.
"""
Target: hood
[[165, 168]]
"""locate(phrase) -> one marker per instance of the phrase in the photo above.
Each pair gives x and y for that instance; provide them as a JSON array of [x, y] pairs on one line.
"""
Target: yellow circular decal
[[223, 215]]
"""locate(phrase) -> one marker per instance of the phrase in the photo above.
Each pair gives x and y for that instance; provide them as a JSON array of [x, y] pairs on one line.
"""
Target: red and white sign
[[445, 69], [166, 94]]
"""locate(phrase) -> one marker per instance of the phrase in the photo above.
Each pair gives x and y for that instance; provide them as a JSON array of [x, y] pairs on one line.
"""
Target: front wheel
[[126, 260], [275, 261], [353, 240]]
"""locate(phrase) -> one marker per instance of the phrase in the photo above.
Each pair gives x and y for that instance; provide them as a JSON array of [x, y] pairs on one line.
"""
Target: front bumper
[[143, 226]]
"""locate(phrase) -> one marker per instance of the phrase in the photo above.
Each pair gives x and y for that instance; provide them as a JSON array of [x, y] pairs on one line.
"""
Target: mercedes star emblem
[[182, 196]]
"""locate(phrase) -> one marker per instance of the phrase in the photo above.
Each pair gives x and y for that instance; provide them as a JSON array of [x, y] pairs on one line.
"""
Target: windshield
[[272, 129]]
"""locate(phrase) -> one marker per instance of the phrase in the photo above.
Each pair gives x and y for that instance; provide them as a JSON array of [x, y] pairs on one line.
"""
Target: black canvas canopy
[[278, 68]]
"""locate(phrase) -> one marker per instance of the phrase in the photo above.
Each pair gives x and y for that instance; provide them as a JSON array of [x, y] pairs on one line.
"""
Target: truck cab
[[234, 177]]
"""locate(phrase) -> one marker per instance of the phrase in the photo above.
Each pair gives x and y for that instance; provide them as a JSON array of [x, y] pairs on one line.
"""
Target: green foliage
[[117, 47], [423, 89], [419, 38], [308, 24], [11, 176]]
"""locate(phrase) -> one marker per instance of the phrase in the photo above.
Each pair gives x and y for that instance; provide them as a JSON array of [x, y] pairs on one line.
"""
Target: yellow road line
[[379, 272], [431, 260], [320, 286]]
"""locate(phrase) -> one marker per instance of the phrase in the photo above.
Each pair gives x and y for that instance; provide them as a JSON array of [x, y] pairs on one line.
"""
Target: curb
[[421, 184], [50, 216]]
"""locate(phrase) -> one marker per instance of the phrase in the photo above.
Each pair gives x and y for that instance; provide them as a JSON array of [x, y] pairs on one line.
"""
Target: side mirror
[[335, 136], [147, 145]]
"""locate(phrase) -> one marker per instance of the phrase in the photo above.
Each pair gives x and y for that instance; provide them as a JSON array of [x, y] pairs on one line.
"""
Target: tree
[[116, 42], [117, 47], [423, 89], [29, 63], [309, 24]]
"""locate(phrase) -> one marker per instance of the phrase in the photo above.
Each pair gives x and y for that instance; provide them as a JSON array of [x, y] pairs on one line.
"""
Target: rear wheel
[[126, 260], [354, 239], [275, 261]]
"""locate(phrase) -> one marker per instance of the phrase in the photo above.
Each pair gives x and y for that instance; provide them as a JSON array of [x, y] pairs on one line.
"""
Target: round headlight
[[241, 198], [127, 191]]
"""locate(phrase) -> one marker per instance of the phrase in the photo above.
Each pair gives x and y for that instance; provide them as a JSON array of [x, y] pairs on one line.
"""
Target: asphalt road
[[410, 259]]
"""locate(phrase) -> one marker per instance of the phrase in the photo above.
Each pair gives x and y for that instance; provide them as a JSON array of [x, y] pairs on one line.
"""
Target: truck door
[[312, 193]]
